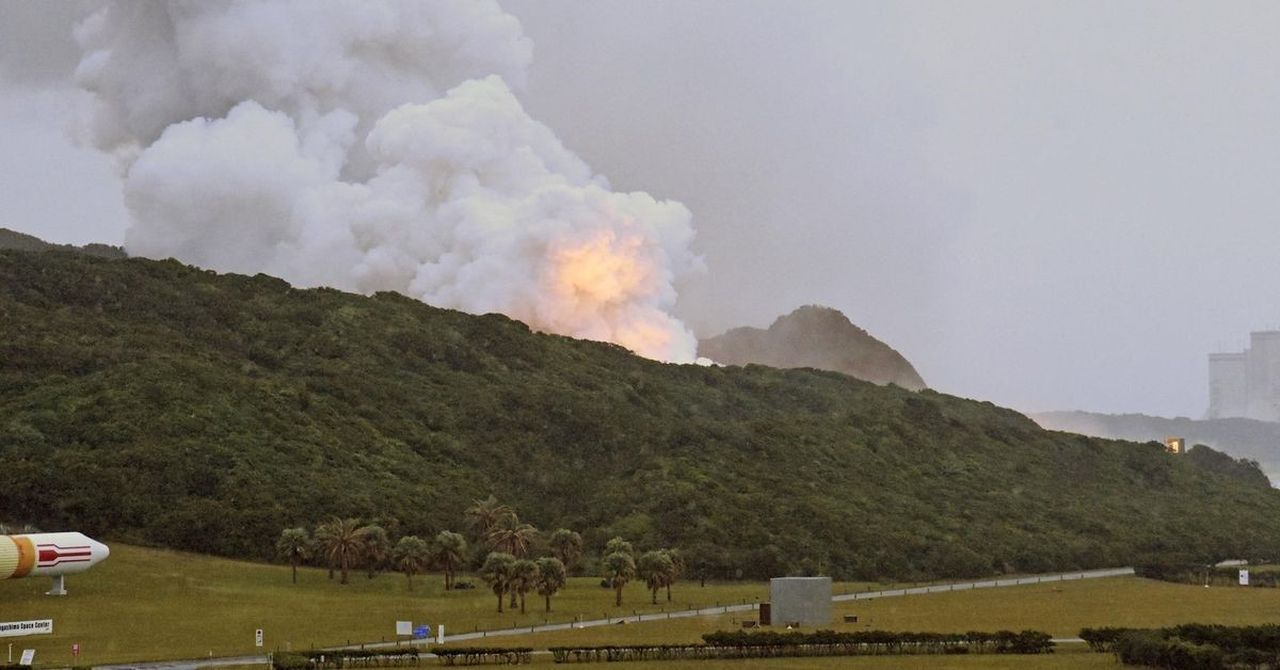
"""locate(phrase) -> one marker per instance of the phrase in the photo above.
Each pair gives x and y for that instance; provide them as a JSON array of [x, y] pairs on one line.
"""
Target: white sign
[[1244, 578], [28, 657], [257, 638], [17, 628], [440, 634], [404, 628]]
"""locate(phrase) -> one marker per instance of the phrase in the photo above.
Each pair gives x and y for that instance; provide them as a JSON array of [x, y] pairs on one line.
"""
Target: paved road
[[660, 616]]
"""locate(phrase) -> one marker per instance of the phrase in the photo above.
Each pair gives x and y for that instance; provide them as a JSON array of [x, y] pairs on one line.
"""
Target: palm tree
[[375, 548], [411, 555], [677, 569], [654, 567], [524, 577], [295, 545], [567, 546], [618, 545], [340, 542], [450, 550], [619, 568], [511, 536], [483, 515], [497, 572], [322, 538], [551, 577]]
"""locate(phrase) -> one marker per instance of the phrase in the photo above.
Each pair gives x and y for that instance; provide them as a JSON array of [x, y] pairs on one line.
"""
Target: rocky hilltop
[[814, 337]]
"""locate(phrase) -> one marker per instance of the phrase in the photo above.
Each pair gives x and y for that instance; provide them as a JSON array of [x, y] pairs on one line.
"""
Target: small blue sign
[[421, 632]]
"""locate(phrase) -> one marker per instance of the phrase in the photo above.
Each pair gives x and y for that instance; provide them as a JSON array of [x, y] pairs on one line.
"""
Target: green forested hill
[[156, 403]]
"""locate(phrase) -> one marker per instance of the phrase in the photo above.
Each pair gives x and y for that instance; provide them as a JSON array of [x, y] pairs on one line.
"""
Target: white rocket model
[[49, 555]]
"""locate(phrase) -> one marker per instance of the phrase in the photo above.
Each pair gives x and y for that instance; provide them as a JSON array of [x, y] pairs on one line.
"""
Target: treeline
[[249, 406], [513, 563], [1190, 646]]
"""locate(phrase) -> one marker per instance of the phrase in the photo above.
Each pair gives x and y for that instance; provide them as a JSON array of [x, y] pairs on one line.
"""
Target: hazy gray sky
[[1045, 205]]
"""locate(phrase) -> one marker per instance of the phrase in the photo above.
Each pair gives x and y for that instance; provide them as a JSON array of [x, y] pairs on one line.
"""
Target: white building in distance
[[1247, 384]]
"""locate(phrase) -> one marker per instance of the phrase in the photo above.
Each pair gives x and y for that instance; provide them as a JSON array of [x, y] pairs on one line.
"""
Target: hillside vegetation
[[814, 337], [156, 403], [1242, 438], [12, 239]]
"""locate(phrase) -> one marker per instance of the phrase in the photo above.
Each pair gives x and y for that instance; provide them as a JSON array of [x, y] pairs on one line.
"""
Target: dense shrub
[[337, 659], [484, 655], [1191, 646]]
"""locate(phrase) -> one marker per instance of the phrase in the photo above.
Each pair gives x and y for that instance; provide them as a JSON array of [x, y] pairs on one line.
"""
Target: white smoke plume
[[374, 145]]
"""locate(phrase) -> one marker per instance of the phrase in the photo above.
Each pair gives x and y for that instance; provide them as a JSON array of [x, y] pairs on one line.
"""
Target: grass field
[[1063, 660], [144, 604], [1060, 609]]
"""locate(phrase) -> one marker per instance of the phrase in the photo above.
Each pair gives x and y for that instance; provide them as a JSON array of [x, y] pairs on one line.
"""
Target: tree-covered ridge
[[12, 239], [153, 402]]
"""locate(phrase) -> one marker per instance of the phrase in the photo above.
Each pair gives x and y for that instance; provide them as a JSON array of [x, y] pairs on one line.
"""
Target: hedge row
[[484, 655], [1191, 646], [889, 642], [343, 658], [1198, 574], [738, 645]]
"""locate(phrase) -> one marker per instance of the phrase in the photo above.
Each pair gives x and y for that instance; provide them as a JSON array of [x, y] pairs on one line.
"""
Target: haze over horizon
[[1033, 217]]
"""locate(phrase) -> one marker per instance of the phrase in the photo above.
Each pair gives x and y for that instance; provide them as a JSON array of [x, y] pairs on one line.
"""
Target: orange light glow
[[600, 271]]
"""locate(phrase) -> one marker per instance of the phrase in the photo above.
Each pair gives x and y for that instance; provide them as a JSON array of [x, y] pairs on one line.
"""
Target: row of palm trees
[[344, 544], [659, 568], [508, 569]]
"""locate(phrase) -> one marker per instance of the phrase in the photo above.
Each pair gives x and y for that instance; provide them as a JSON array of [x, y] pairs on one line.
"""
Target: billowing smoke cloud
[[374, 146]]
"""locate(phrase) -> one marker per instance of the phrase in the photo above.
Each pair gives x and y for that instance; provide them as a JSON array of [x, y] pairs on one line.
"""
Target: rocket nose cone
[[98, 551]]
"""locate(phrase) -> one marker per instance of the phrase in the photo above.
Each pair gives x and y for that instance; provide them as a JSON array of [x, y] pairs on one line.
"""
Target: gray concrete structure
[[1247, 384], [802, 600]]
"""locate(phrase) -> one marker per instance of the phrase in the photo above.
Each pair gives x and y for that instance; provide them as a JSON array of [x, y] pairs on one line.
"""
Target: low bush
[[770, 644], [484, 655]]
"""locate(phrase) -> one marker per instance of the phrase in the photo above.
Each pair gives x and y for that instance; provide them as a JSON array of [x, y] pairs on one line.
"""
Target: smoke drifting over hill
[[374, 146]]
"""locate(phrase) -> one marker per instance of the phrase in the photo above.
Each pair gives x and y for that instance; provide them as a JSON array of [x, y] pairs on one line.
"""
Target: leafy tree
[[566, 545], [619, 568], [483, 515], [524, 578], [498, 571], [618, 545], [375, 548], [655, 568], [705, 561], [341, 542], [450, 550], [294, 545], [551, 578], [511, 536], [411, 555]]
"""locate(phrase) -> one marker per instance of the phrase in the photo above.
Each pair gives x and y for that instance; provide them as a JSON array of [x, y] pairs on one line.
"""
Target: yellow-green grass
[[1063, 660], [146, 604], [1060, 608], [1069, 661]]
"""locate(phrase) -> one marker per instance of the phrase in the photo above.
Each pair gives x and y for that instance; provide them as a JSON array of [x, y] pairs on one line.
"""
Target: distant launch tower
[[1247, 384]]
